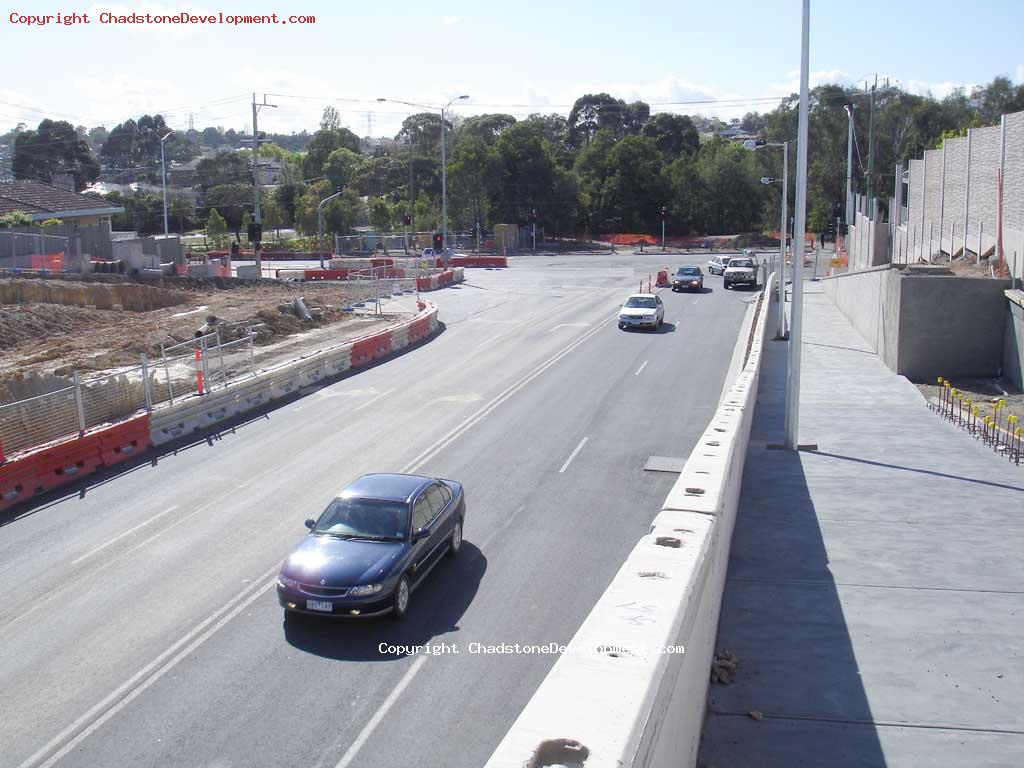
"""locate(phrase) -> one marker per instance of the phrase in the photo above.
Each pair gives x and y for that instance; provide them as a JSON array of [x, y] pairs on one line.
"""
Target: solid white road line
[[114, 702], [641, 368], [573, 454], [117, 538], [389, 702], [373, 400]]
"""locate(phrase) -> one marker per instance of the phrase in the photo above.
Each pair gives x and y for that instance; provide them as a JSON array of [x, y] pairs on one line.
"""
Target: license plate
[[319, 605]]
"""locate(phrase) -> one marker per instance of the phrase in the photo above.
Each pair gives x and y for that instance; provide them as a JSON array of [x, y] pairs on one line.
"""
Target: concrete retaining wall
[[1013, 345], [924, 326], [617, 700]]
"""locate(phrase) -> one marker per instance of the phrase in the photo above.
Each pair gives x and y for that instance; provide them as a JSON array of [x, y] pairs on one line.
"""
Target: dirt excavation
[[50, 327]]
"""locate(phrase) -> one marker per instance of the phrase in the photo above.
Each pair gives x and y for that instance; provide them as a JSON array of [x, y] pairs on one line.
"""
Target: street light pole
[[163, 173], [793, 378], [753, 145], [849, 164], [320, 226]]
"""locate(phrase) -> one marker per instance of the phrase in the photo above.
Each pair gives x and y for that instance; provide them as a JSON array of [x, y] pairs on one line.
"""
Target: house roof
[[44, 201]]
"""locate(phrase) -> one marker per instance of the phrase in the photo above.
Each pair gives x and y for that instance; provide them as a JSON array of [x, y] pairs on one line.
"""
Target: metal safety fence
[[189, 368], [989, 422]]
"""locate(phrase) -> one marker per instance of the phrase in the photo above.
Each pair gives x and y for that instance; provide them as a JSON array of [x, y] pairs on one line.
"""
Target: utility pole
[[257, 217], [871, 139]]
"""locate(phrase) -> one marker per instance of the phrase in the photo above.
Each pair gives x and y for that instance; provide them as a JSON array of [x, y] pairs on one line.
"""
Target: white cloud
[[449, 20]]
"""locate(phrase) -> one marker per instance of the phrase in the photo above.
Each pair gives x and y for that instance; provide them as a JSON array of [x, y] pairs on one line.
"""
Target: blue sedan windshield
[[364, 518]]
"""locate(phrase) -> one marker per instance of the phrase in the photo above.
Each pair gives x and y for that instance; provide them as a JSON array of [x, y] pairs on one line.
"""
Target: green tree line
[[608, 166]]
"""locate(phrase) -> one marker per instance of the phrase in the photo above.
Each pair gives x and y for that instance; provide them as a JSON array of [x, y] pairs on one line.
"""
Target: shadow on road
[[434, 610], [665, 328]]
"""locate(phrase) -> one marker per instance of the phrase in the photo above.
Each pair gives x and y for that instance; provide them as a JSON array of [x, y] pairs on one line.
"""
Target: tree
[[424, 131], [54, 147], [672, 134], [225, 168], [273, 215], [487, 128], [231, 202], [15, 219], [527, 175], [474, 176], [331, 120], [380, 215], [97, 137], [246, 221], [323, 143], [216, 227], [341, 166], [592, 113]]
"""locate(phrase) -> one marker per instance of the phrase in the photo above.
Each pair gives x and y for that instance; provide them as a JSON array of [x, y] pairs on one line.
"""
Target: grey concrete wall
[[1013, 347], [950, 326], [870, 300], [927, 326]]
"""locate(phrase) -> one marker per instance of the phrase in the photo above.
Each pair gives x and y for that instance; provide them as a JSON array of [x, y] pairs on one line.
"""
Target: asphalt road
[[138, 621]]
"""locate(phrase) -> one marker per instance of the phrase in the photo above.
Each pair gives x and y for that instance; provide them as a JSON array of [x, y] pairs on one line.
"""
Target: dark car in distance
[[373, 546], [688, 279]]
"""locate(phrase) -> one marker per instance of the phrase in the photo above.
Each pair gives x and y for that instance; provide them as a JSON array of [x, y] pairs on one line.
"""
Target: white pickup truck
[[741, 271]]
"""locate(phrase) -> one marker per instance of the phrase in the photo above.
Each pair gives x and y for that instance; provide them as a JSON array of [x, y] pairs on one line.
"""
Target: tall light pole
[[793, 378], [849, 164], [444, 168], [752, 145], [163, 173], [320, 225]]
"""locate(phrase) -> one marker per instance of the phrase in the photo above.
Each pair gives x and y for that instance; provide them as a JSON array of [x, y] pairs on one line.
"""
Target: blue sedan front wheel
[[400, 604]]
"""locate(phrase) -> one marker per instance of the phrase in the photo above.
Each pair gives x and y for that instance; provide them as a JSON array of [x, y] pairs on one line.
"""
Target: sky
[[712, 58]]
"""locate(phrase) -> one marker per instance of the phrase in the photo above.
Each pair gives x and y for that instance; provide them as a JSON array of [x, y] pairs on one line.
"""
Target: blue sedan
[[373, 546]]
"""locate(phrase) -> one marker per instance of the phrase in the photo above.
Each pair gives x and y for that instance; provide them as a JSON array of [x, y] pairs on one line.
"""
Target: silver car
[[718, 264]]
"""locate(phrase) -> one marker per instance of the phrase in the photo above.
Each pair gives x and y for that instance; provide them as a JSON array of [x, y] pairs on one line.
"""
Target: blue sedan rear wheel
[[456, 542]]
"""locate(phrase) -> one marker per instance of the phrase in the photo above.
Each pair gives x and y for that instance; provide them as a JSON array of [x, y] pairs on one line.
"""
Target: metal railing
[[189, 368], [998, 429]]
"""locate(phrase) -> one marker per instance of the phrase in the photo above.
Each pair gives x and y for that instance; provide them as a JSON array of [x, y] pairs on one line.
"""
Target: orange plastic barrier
[[67, 461], [326, 274], [372, 348], [17, 481], [54, 261], [122, 441]]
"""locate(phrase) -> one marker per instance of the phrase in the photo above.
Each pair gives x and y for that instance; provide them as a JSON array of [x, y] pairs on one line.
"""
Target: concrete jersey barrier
[[622, 695], [201, 411]]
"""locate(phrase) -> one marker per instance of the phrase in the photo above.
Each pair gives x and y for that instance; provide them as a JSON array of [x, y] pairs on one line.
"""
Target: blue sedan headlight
[[365, 589], [287, 582]]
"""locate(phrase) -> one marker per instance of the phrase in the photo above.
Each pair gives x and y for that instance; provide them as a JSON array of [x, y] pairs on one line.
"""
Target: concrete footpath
[[875, 593]]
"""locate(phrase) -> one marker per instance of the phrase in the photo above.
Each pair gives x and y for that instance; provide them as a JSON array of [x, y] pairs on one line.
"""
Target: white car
[[742, 270], [718, 264], [642, 310]]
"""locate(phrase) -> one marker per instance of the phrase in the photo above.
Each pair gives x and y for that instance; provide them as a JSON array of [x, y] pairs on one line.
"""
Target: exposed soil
[[984, 393], [42, 342]]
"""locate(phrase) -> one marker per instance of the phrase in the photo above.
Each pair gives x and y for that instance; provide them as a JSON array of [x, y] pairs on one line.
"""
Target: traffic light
[[255, 232], [438, 242], [533, 215], [407, 219], [664, 213]]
